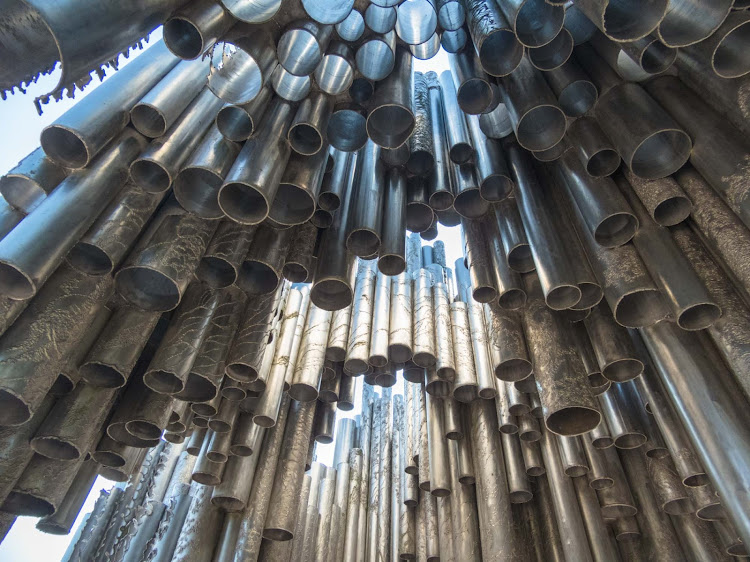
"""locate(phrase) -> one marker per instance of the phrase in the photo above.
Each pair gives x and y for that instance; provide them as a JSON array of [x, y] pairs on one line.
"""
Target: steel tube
[[437, 446], [615, 19], [508, 342], [440, 188], [596, 153], [391, 120], [616, 406], [612, 346], [339, 334], [424, 321], [240, 122], [518, 483], [300, 260], [465, 386], [477, 254], [460, 150], [193, 29], [554, 54], [27, 184], [358, 347], [224, 255], [474, 92], [400, 336], [492, 168], [725, 49], [419, 215], [445, 364], [416, 21], [421, 148], [375, 57], [352, 27], [261, 271], [308, 367], [495, 43], [515, 245], [366, 217], [575, 91], [508, 282]]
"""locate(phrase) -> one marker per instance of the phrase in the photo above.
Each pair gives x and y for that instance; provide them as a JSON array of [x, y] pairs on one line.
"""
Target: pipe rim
[[109, 459], [616, 230], [183, 38], [554, 54], [331, 293], [257, 278], [234, 123], [163, 382], [347, 130], [698, 316], [102, 374], [196, 190], [298, 51], [573, 420], [65, 146], [391, 264], [513, 370], [239, 80], [729, 58], [148, 120], [527, 22], [461, 153], [390, 125], [416, 21], [329, 13], [661, 154], [672, 211], [617, 21], [150, 175], [630, 440], [441, 201], [541, 127], [294, 273], [322, 218], [470, 204], [305, 138], [165, 294], [578, 98], [143, 429], [216, 272], [352, 27], [252, 11], [475, 96], [243, 203], [602, 163], [335, 74], [381, 19], [375, 59], [521, 259]]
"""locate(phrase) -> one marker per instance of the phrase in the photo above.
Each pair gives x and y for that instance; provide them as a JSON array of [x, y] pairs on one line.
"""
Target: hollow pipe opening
[[234, 123], [661, 154], [64, 146]]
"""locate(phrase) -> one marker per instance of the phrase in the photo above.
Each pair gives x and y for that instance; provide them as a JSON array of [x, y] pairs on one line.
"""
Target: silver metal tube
[[358, 347], [612, 346], [233, 492], [575, 91], [616, 406], [532, 458], [535, 23], [495, 43], [365, 221], [339, 334], [615, 20], [240, 122], [309, 362], [261, 270], [554, 54], [465, 387], [378, 356], [437, 446], [194, 29], [474, 92], [507, 344], [391, 121], [423, 321], [518, 483], [416, 21], [26, 185], [460, 150], [726, 47], [572, 456]]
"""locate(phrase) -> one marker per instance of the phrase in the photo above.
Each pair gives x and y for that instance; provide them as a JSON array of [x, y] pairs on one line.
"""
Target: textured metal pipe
[[569, 406], [339, 334], [224, 255], [301, 46], [452, 419], [437, 446], [194, 29], [460, 150], [686, 296], [250, 342], [280, 520], [718, 160], [445, 364], [532, 458], [492, 168], [386, 468], [421, 148], [262, 267], [218, 447], [378, 345], [602, 548], [358, 347], [681, 356], [507, 341], [528, 427], [352, 27], [311, 356], [537, 120], [391, 120], [478, 260], [495, 43], [518, 483], [498, 538], [699, 538], [454, 41], [156, 273], [617, 20], [240, 122], [556, 276], [465, 386], [267, 410], [423, 321], [672, 496], [664, 199], [381, 19], [419, 215], [251, 185]]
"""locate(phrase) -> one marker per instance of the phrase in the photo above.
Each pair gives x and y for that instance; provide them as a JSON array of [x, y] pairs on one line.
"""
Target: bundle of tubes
[[224, 244]]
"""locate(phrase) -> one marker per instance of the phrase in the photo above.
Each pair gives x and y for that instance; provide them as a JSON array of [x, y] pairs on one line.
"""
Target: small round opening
[[148, 121], [243, 203], [563, 296], [616, 230], [573, 420], [64, 147], [183, 38], [150, 176]]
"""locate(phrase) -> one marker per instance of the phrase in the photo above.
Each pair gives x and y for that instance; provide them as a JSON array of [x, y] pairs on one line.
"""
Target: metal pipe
[[250, 186], [156, 274], [391, 120], [615, 19], [528, 427], [419, 215], [612, 346], [498, 538], [478, 261], [465, 387], [495, 43], [445, 364], [672, 496], [575, 91], [681, 356], [416, 21], [262, 267], [507, 345], [27, 184], [420, 151], [569, 406], [352, 27], [301, 46], [508, 282], [224, 255], [554, 54], [699, 539], [240, 122], [375, 57], [306, 133], [311, 356], [518, 483], [593, 148], [460, 150], [358, 347], [515, 245], [532, 458], [724, 48], [424, 321], [392, 253], [366, 217], [339, 334], [492, 168], [437, 446], [378, 354], [474, 92], [616, 406]]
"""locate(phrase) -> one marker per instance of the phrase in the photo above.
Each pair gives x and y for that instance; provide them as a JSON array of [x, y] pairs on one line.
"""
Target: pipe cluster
[[208, 251]]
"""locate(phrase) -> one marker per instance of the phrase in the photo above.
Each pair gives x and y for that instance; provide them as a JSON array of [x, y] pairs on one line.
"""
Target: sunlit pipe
[[392, 253], [633, 298], [428, 49], [309, 364], [298, 190], [572, 456], [416, 21], [507, 345], [444, 525], [612, 346], [301, 46], [378, 344], [465, 384], [686, 296], [380, 19], [366, 218], [250, 342], [223, 257], [384, 493], [424, 353], [537, 120], [518, 483], [27, 184], [728, 332], [492, 168], [351, 541], [719, 159], [575, 91], [496, 124], [474, 92], [453, 426], [391, 121], [352, 27], [375, 57], [254, 516], [445, 363], [240, 122], [430, 539], [559, 288], [616, 405], [498, 538], [722, 386], [437, 447], [483, 370], [339, 334], [460, 150], [358, 346], [454, 41], [251, 185], [481, 269], [261, 269], [419, 214], [595, 151], [616, 20]]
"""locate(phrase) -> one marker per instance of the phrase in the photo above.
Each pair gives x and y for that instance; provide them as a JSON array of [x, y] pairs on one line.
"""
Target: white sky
[[21, 127]]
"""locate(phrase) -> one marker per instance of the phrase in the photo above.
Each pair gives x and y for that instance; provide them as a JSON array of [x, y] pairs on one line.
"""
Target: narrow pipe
[[596, 153], [515, 245], [613, 348], [474, 92], [358, 351], [309, 363], [261, 271], [352, 27], [376, 58], [535, 23], [460, 149], [416, 21], [616, 406], [575, 91], [518, 483], [392, 253], [445, 364], [378, 355], [496, 45], [465, 386], [391, 120], [423, 321], [508, 282], [437, 446], [422, 153], [477, 254], [240, 122], [27, 184], [366, 218], [572, 456]]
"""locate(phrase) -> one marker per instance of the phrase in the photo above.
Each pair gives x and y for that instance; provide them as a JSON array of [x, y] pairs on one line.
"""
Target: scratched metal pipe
[[515, 245], [460, 149], [339, 334], [664, 199], [371, 505], [308, 368], [532, 458], [350, 541], [391, 120], [569, 405], [624, 22], [685, 356], [261, 271], [572, 456], [672, 496], [157, 166], [240, 122], [254, 516], [252, 183], [156, 274], [379, 332], [267, 411], [423, 318], [422, 151], [613, 348], [298, 190], [575, 91], [728, 332], [299, 263], [508, 345], [465, 386], [725, 51], [27, 184], [537, 120], [416, 21], [452, 419], [62, 520], [699, 538], [251, 340], [498, 538], [66, 214], [223, 257], [687, 297], [718, 148], [76, 137], [534, 23], [633, 297], [557, 278], [597, 381], [197, 184], [301, 46], [437, 447], [528, 426], [445, 364], [358, 346]]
